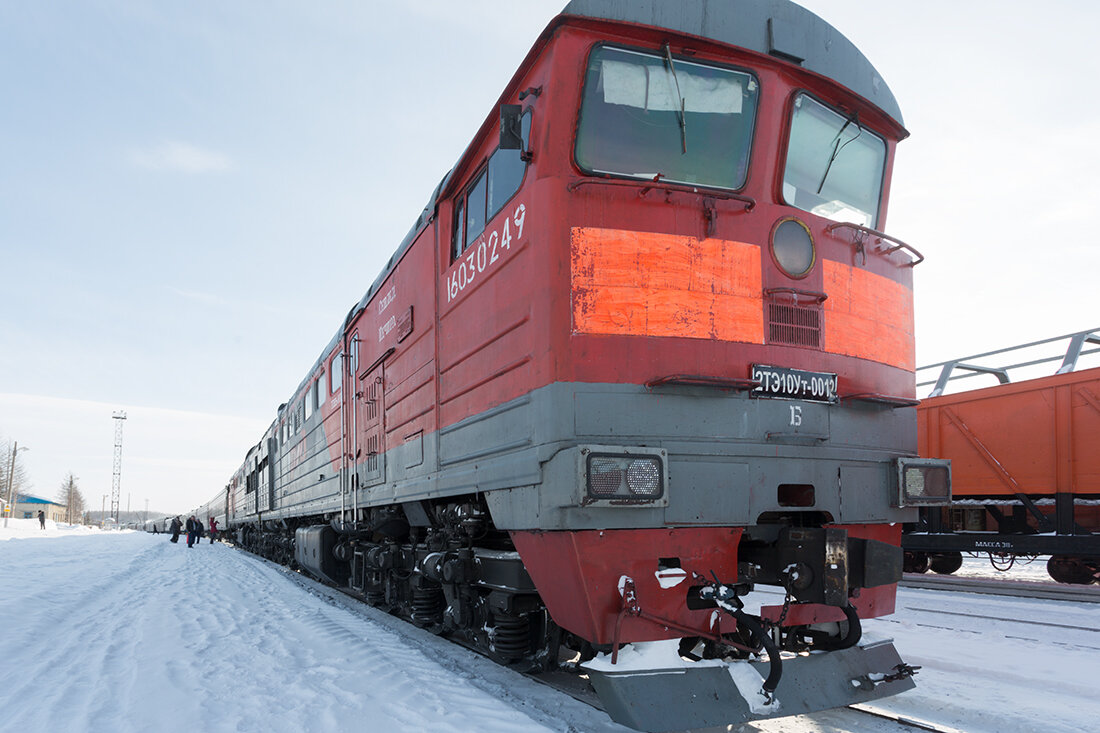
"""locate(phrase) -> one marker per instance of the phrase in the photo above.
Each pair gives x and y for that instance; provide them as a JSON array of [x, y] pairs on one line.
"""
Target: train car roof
[[778, 28]]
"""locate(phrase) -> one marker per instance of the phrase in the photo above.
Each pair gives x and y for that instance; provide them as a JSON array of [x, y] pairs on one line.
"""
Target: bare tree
[[18, 477], [70, 496]]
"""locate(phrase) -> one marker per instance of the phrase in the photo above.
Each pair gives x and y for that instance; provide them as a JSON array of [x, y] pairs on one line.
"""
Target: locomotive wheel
[[916, 562], [946, 563], [1066, 569]]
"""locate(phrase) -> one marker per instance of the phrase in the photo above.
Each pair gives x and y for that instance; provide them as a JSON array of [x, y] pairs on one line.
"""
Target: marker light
[[923, 482]]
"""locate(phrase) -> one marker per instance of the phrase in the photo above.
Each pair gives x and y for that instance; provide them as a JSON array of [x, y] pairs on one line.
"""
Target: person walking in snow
[[175, 529], [41, 519], [213, 529], [191, 530]]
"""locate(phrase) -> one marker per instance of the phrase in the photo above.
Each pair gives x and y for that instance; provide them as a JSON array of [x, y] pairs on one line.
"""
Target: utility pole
[[11, 482], [11, 477], [102, 510], [117, 483]]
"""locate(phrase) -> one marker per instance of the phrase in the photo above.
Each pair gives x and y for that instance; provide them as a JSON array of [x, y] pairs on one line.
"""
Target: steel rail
[[1011, 588]]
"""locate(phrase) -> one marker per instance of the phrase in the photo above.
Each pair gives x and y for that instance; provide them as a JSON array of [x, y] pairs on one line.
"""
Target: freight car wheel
[[916, 562], [1066, 569], [945, 563]]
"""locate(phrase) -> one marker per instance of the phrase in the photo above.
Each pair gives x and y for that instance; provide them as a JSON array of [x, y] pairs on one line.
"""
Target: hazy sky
[[192, 196]]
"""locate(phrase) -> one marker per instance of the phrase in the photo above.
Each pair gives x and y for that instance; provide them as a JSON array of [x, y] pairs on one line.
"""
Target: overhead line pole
[[117, 483], [11, 477]]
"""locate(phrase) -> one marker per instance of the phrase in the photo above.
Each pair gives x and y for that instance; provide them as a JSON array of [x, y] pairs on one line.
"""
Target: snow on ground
[[124, 631], [989, 664], [980, 566]]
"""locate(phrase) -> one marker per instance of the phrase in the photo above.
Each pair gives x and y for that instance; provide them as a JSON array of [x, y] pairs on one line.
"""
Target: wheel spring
[[511, 635], [427, 605], [375, 595]]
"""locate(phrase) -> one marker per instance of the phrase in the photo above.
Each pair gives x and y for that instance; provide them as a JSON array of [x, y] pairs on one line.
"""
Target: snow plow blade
[[703, 694]]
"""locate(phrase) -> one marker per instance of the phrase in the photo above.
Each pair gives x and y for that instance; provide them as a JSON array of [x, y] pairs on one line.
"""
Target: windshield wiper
[[837, 147], [681, 117]]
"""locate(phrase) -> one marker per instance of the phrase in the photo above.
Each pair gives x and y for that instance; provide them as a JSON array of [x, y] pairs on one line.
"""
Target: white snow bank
[[30, 529], [125, 631]]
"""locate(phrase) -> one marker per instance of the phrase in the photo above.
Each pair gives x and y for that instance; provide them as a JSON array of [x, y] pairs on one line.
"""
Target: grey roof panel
[[777, 27]]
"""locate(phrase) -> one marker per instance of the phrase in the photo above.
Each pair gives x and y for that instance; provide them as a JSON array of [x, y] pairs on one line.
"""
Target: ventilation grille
[[794, 325]]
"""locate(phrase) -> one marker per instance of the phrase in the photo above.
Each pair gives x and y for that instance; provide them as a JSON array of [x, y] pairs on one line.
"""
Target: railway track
[[901, 720], [998, 587]]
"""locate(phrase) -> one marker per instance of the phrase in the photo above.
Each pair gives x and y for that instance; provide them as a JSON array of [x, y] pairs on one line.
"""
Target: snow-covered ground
[[124, 631]]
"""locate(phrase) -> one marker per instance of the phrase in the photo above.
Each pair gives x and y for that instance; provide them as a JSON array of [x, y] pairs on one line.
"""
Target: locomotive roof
[[778, 28]]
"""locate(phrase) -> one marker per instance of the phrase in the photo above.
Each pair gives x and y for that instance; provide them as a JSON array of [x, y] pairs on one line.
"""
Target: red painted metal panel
[[578, 575]]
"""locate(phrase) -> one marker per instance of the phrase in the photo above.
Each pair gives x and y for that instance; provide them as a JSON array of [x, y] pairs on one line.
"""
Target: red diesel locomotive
[[645, 349]]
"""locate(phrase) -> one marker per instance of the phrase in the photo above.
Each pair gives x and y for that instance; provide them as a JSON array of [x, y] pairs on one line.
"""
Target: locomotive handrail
[[749, 201], [862, 231], [882, 399], [774, 435], [697, 380], [795, 293]]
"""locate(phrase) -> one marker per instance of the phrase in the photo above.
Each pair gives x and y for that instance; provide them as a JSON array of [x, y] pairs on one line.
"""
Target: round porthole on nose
[[793, 247]]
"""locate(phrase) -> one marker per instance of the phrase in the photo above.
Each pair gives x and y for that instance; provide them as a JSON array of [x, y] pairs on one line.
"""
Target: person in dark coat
[[175, 529], [192, 529], [200, 530], [41, 519]]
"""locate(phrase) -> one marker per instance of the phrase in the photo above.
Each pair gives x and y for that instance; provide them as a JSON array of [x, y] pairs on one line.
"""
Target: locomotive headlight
[[620, 476], [644, 477], [923, 482], [793, 247], [605, 476]]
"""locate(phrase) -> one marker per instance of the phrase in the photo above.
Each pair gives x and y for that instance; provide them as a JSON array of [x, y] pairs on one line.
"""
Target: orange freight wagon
[[1024, 461]]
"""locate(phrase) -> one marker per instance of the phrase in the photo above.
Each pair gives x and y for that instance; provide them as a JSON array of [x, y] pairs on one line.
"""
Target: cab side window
[[488, 193]]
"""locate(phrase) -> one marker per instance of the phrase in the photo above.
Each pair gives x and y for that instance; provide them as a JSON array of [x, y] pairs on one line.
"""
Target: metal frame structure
[[116, 481], [1074, 351]]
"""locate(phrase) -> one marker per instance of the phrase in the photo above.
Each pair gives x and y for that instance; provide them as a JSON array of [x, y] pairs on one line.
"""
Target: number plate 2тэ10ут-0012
[[793, 384]]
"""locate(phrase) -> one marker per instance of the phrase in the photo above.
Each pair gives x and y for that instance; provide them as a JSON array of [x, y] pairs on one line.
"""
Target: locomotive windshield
[[834, 166], [645, 115]]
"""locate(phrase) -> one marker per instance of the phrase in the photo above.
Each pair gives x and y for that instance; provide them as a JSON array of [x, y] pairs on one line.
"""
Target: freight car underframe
[[932, 543], [441, 560]]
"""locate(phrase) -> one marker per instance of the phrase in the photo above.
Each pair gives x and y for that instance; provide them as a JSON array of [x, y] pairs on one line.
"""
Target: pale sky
[[192, 196]]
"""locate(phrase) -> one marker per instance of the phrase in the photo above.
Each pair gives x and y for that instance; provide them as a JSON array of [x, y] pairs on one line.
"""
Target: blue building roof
[[26, 499]]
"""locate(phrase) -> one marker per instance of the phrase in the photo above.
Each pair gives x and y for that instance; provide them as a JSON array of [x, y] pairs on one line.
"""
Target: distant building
[[28, 507]]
